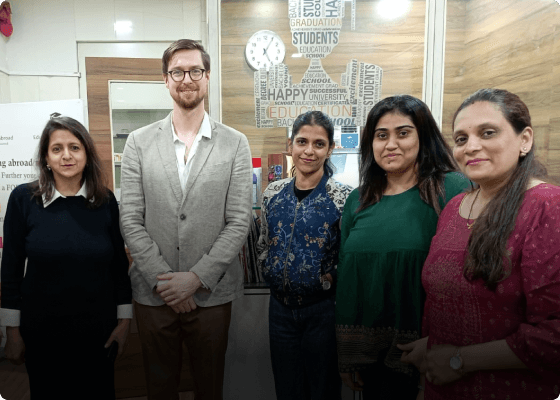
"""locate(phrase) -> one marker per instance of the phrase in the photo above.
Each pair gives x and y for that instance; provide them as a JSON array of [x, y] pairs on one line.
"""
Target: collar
[[82, 192], [320, 186], [205, 128]]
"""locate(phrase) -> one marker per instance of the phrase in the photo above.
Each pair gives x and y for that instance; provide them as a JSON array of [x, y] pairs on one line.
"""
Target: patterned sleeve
[[338, 193], [262, 242], [537, 341]]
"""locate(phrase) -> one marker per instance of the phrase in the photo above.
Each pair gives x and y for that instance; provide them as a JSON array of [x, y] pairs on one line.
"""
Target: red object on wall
[[6, 27]]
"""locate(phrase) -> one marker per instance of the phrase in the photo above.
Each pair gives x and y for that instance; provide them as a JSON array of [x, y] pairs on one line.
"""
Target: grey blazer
[[201, 231]]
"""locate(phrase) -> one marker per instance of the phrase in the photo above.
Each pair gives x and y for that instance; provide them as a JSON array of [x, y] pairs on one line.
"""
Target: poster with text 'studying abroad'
[[21, 125]]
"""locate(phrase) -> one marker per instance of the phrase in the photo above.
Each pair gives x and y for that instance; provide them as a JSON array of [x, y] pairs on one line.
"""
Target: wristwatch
[[456, 362], [326, 283]]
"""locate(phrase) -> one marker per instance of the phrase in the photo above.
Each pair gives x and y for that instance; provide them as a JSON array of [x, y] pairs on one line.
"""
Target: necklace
[[470, 225]]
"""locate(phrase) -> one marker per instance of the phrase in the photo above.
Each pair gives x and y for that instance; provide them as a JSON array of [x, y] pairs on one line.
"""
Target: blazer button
[[183, 217]]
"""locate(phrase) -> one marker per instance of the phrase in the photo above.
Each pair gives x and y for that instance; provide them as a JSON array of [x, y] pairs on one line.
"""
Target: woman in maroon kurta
[[492, 314]]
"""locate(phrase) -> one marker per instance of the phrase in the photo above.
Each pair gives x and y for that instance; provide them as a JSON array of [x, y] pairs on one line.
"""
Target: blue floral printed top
[[299, 241]]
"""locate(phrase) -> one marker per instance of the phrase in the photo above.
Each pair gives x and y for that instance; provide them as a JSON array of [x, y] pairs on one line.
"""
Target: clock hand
[[269, 44], [266, 54], [266, 48]]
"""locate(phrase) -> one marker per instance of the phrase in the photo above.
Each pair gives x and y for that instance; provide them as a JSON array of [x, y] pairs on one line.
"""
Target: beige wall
[[4, 88], [46, 34], [509, 44]]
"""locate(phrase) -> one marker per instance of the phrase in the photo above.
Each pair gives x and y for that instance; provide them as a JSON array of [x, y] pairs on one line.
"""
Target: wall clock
[[264, 49]]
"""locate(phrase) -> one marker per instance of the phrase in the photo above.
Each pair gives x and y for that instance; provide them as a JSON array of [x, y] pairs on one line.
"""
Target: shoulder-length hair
[[487, 245], [315, 118], [97, 192], [434, 156]]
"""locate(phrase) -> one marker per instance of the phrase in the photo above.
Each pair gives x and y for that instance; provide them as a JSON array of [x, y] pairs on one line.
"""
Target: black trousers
[[382, 383], [69, 361]]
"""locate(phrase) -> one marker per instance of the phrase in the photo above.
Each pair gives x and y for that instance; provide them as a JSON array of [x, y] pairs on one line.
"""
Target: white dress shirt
[[183, 167]]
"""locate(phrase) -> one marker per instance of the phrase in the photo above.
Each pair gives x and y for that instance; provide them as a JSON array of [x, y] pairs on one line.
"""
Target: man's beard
[[190, 103]]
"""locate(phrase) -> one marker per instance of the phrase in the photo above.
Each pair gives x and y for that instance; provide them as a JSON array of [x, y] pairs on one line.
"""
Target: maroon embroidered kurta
[[524, 309]]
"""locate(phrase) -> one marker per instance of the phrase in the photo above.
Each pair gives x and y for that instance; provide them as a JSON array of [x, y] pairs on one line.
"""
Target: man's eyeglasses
[[178, 75]]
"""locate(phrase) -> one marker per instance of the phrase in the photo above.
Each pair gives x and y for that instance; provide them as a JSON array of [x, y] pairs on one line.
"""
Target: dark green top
[[380, 299]]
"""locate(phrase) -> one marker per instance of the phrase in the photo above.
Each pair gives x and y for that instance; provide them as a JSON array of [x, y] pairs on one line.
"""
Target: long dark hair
[[315, 118], [93, 175], [434, 156], [487, 245]]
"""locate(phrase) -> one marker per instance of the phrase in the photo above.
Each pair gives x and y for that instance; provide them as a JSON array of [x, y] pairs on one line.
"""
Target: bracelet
[[420, 387]]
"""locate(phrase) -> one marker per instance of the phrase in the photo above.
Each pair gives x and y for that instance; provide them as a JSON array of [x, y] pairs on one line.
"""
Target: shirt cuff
[[204, 285], [124, 311], [9, 317]]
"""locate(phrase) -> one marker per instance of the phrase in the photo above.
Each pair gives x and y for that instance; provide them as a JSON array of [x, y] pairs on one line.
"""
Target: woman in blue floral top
[[298, 246]]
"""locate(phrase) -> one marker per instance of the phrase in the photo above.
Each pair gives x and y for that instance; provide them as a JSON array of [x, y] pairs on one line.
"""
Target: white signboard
[[315, 27], [21, 125]]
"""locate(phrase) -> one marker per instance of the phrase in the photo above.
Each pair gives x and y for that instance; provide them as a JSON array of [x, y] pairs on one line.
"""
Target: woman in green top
[[406, 178]]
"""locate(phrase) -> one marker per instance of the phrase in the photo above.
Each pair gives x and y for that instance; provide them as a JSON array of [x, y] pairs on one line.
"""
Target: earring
[[523, 152], [48, 167], [525, 149]]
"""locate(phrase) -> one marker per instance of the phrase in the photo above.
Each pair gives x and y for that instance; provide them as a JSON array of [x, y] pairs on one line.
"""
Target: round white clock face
[[264, 49]]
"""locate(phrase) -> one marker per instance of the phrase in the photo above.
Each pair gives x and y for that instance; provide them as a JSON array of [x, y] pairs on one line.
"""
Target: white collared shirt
[[180, 149], [10, 317], [82, 192]]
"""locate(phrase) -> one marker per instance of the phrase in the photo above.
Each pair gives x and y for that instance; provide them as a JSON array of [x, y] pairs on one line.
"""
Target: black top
[[302, 193], [77, 266]]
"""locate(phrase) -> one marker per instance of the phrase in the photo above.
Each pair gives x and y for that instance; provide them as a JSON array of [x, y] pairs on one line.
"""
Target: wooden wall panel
[[514, 45], [397, 46], [455, 48], [99, 72]]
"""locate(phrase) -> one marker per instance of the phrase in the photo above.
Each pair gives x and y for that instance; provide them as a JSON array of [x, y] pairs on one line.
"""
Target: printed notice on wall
[[315, 28], [21, 125]]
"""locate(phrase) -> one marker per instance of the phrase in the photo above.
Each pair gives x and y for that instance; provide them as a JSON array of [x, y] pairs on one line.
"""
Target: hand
[[415, 353], [357, 386], [15, 348], [179, 286], [186, 306], [438, 370], [420, 395], [120, 333]]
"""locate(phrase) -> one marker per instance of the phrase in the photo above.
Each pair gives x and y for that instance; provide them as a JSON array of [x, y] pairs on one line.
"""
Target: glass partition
[[133, 105]]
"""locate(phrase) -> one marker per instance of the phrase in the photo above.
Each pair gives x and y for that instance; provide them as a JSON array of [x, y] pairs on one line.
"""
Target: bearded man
[[186, 193]]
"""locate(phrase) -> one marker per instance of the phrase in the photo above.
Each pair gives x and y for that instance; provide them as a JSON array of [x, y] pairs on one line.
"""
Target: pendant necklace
[[470, 225]]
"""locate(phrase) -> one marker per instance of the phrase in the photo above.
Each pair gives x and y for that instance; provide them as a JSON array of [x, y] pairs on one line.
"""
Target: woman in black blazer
[[66, 293]]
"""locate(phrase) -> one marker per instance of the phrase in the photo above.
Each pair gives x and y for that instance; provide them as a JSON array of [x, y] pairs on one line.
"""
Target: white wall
[[46, 36], [4, 79], [3, 41], [4, 88]]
